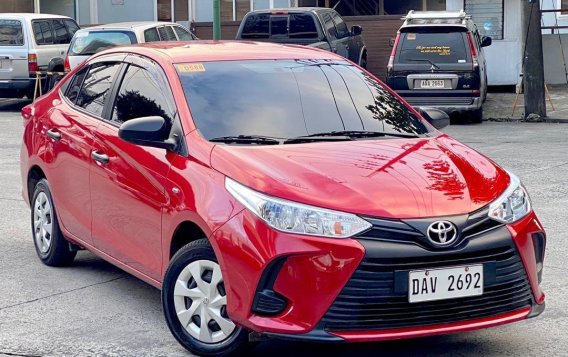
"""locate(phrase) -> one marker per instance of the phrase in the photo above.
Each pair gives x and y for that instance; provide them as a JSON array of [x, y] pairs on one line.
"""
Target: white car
[[30, 43], [89, 41]]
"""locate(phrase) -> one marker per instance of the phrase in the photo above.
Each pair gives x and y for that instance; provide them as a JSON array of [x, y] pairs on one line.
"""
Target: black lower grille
[[376, 297]]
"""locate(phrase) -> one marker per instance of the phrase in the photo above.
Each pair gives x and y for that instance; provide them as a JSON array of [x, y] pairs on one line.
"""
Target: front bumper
[[355, 289]]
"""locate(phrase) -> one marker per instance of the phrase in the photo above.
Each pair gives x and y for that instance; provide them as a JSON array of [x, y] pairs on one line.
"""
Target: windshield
[[433, 47], [88, 43], [290, 98]]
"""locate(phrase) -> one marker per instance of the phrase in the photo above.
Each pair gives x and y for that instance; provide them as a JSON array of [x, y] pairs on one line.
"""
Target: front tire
[[51, 247], [195, 303]]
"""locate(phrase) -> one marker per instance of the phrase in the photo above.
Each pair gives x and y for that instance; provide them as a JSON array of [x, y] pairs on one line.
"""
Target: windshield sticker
[[411, 36], [82, 34], [440, 50], [461, 61], [191, 67]]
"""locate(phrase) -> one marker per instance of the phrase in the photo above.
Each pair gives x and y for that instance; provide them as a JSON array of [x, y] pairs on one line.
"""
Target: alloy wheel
[[200, 302], [43, 223]]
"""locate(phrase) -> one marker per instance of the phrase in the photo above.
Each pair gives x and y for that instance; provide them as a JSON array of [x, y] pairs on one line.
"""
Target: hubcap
[[43, 223], [201, 302]]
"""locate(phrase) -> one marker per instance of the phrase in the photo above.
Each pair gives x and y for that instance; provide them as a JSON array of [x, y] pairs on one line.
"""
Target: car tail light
[[279, 12], [32, 63], [472, 50], [390, 66], [28, 112], [66, 65], [476, 92]]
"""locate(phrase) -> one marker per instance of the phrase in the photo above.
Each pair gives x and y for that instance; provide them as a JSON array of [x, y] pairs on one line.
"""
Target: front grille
[[439, 101], [376, 296]]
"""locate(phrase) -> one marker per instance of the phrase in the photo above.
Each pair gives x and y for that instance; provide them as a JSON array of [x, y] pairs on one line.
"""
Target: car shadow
[[13, 105]]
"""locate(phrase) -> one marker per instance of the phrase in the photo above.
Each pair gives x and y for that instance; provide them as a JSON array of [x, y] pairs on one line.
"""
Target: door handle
[[98, 157], [55, 135]]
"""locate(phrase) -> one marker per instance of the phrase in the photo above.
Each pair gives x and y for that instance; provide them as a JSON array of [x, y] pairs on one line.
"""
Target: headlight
[[513, 204], [291, 217]]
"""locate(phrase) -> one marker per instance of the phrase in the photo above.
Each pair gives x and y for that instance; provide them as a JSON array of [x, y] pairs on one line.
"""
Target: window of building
[[96, 87], [564, 7], [488, 16], [377, 7], [233, 10]]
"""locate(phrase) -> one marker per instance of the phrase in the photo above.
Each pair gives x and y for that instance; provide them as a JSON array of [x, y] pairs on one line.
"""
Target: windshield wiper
[[248, 139], [424, 60], [348, 135]]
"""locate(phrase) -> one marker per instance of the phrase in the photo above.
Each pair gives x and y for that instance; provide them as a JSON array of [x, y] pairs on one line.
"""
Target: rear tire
[[51, 247], [194, 302], [477, 116]]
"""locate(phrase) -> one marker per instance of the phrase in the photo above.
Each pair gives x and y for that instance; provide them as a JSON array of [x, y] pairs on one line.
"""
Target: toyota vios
[[279, 190]]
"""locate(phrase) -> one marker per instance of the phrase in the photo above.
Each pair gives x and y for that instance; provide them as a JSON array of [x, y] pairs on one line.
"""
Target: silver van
[[89, 41], [30, 43]]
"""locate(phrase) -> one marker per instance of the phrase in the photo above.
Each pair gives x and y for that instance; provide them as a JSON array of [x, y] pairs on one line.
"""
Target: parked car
[[437, 60], [31, 43], [89, 41], [317, 27], [310, 204]]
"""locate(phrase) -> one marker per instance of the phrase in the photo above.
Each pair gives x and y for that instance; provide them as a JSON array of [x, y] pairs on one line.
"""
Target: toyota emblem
[[442, 233]]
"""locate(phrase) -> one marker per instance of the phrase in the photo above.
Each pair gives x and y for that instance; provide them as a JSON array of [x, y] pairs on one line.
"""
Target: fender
[[56, 62], [363, 50]]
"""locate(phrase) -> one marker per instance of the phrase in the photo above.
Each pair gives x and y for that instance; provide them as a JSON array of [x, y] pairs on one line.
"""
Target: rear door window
[[437, 47], [11, 33], [75, 85], [293, 26], [151, 35], [166, 33], [43, 33], [88, 43], [60, 31], [96, 87]]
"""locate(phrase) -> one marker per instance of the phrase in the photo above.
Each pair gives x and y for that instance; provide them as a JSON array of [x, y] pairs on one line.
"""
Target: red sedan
[[280, 190]]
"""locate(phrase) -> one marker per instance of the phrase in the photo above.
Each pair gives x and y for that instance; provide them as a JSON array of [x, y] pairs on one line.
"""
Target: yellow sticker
[[411, 36], [191, 67]]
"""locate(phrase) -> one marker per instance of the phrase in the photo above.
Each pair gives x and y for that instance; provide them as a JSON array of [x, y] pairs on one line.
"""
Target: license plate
[[445, 283], [432, 83]]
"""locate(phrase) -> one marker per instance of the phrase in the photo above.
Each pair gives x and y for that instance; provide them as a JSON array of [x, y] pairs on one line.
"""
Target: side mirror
[[436, 117], [356, 30], [391, 42], [486, 41], [147, 131]]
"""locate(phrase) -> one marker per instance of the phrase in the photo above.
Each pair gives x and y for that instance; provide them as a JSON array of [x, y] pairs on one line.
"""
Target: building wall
[[130, 10], [16, 5], [58, 7], [554, 19], [83, 12], [555, 58], [503, 56]]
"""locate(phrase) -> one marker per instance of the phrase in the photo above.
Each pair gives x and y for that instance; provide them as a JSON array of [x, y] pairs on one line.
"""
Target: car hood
[[391, 178]]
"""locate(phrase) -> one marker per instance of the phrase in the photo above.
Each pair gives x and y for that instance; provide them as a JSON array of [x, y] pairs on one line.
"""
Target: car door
[[345, 38], [338, 45], [69, 129], [127, 180], [13, 51]]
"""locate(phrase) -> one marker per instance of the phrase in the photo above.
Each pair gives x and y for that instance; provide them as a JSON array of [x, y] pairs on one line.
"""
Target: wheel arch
[[35, 174], [186, 232]]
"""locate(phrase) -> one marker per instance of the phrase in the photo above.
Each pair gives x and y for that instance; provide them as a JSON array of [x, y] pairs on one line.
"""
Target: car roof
[[436, 18], [291, 9], [31, 16], [127, 25], [209, 51]]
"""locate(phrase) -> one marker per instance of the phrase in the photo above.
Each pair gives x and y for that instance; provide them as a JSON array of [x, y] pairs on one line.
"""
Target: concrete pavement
[[95, 309]]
